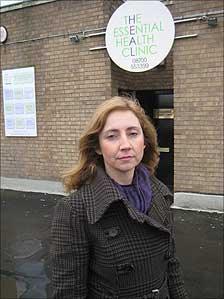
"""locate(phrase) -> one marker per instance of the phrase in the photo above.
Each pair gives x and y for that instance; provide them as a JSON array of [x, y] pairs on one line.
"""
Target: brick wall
[[158, 78], [70, 82], [198, 101]]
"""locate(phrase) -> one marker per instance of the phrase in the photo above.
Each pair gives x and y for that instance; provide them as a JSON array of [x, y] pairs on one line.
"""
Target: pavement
[[25, 264]]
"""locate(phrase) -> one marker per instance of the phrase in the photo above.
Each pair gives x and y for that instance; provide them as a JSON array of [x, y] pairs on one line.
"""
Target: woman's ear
[[98, 151]]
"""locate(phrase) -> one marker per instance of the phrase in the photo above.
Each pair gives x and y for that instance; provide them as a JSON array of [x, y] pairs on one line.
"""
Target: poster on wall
[[19, 102], [139, 35]]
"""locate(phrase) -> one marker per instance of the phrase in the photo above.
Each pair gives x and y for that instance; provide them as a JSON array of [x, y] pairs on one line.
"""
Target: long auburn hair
[[88, 161]]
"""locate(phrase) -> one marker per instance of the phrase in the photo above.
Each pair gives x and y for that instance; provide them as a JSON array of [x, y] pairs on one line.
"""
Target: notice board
[[19, 102]]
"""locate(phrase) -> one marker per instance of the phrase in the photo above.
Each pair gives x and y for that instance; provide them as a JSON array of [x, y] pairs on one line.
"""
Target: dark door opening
[[158, 105]]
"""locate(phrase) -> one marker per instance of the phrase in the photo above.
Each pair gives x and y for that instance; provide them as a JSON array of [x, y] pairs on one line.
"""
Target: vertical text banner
[[19, 102], [139, 35]]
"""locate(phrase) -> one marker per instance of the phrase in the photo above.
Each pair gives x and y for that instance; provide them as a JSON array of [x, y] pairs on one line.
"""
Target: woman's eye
[[111, 136], [133, 134]]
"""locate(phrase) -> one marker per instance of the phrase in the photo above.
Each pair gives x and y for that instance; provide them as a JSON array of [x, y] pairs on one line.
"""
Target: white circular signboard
[[139, 35], [4, 34]]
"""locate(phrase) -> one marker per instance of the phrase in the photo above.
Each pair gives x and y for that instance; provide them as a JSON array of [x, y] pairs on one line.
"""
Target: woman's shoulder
[[73, 202], [162, 188], [160, 184]]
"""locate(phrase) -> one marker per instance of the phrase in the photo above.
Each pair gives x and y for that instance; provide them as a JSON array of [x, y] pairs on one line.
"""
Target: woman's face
[[121, 145]]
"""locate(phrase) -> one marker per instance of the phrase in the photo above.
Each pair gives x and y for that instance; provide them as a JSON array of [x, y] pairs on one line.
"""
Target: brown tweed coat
[[103, 248]]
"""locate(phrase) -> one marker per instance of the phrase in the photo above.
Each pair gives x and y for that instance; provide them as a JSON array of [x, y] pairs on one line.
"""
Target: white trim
[[198, 202], [186, 36], [182, 200], [196, 210], [27, 185]]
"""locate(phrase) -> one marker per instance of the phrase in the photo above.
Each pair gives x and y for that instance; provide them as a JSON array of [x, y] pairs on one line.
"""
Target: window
[[7, 5]]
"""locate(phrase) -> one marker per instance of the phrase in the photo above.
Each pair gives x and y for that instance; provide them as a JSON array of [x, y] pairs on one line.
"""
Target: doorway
[[158, 105]]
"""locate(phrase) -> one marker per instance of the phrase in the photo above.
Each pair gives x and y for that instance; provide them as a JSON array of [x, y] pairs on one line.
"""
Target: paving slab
[[25, 230]]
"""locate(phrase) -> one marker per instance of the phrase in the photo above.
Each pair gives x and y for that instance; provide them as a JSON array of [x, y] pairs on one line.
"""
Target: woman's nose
[[124, 142]]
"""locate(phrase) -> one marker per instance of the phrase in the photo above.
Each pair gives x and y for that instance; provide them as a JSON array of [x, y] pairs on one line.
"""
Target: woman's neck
[[122, 177]]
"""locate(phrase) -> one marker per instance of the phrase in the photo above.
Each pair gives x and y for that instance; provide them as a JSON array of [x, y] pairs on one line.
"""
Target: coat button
[[167, 255], [111, 232], [125, 268]]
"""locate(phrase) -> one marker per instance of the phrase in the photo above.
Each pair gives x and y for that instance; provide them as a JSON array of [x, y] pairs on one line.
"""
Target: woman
[[113, 237]]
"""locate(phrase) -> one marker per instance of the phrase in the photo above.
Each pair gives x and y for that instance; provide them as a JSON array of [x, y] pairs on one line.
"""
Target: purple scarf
[[139, 193]]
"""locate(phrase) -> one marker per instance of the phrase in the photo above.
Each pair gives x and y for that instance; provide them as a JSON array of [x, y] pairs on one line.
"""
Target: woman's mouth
[[124, 158]]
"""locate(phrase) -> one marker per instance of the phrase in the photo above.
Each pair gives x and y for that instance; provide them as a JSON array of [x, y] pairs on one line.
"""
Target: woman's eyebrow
[[133, 128], [117, 130], [111, 131]]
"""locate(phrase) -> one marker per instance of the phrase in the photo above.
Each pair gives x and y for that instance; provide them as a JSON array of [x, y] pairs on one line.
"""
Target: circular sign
[[4, 34], [139, 35]]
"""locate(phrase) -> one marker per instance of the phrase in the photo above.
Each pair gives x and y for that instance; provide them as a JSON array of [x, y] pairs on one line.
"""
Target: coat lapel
[[160, 204], [98, 196], [101, 193], [161, 200]]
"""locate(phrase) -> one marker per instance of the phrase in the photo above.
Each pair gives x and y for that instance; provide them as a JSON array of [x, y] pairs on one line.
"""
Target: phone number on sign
[[139, 63]]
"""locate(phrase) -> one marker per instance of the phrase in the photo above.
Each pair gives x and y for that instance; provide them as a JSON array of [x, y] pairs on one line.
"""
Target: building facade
[[64, 42]]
